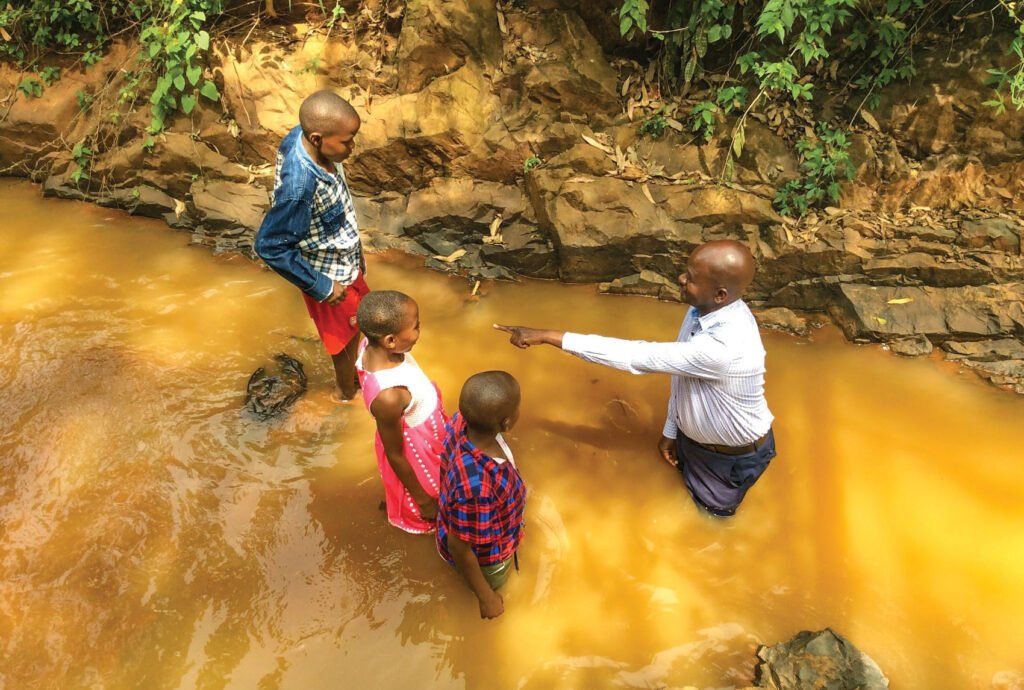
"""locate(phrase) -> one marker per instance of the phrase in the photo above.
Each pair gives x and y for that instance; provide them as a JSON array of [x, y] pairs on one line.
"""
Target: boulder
[[883, 313], [438, 37], [927, 269], [766, 157], [914, 346], [437, 132], [644, 283], [823, 659], [606, 228], [1002, 234], [560, 68], [225, 206], [985, 350], [782, 319]]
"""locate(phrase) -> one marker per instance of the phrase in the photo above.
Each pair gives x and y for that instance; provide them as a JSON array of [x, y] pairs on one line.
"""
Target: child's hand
[[492, 605], [338, 293], [428, 509]]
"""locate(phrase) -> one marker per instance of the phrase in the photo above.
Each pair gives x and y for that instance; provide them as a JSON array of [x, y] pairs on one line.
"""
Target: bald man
[[310, 236], [718, 428]]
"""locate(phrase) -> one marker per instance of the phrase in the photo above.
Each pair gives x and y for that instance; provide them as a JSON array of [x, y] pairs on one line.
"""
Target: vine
[[172, 35]]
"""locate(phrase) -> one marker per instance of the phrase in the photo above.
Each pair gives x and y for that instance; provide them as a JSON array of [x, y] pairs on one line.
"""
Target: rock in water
[[822, 660], [266, 396]]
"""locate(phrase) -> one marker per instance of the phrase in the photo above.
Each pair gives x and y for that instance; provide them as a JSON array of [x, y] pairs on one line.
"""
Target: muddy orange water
[[152, 535]]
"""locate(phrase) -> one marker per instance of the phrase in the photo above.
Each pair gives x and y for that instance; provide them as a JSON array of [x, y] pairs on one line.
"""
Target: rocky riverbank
[[923, 251]]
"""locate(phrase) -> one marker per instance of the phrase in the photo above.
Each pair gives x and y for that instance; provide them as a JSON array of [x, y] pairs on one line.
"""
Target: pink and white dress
[[423, 423]]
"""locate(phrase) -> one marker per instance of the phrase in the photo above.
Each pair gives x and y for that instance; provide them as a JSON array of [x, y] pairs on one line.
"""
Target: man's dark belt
[[734, 450]]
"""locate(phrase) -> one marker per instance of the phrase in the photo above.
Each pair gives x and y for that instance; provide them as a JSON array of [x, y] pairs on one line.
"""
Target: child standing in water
[[480, 512], [406, 405]]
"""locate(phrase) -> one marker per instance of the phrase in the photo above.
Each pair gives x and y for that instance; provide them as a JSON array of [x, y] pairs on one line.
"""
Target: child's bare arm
[[387, 409], [491, 603]]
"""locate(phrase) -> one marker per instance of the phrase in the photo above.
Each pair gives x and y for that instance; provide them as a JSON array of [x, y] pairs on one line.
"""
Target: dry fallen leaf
[[501, 20], [625, 85], [870, 119], [880, 320], [901, 300], [495, 224], [647, 192], [457, 254], [476, 287], [179, 208], [3, 32], [596, 144]]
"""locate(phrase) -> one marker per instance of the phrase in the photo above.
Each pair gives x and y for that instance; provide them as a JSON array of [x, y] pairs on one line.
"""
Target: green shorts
[[497, 574]]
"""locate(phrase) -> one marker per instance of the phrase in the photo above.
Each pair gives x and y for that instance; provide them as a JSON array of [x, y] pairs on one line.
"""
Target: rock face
[[813, 660], [923, 250]]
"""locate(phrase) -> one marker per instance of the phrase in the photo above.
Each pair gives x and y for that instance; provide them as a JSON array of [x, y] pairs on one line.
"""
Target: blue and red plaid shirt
[[481, 501]]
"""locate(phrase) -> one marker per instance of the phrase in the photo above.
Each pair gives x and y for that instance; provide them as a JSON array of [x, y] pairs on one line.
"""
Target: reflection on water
[[153, 535]]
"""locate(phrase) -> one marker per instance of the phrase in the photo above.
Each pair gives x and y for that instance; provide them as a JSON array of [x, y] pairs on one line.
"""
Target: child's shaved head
[[323, 111], [381, 313], [488, 399]]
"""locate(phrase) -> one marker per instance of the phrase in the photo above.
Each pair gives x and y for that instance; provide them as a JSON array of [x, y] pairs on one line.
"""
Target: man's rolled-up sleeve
[[285, 225]]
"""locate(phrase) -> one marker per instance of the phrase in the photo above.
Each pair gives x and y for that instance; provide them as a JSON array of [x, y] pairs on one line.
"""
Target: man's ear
[[315, 138], [721, 294]]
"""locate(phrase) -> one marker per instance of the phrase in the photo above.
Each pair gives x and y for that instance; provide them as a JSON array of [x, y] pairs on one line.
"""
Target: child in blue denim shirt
[[310, 236]]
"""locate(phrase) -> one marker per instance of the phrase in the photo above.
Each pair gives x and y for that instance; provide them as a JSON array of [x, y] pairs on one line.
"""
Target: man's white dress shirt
[[717, 367]]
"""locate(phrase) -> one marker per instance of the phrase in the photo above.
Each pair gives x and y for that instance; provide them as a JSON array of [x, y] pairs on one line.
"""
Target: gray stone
[[971, 312], [822, 659], [984, 350], [926, 269], [915, 346], [222, 205], [782, 319], [644, 283], [999, 233]]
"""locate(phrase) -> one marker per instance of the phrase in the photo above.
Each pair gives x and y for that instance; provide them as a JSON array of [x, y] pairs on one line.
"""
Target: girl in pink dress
[[406, 405]]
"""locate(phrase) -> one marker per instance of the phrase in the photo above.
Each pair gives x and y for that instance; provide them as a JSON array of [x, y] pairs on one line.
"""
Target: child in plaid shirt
[[310, 237], [480, 505]]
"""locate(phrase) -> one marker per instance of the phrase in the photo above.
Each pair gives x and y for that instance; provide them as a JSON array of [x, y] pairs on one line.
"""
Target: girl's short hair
[[381, 312]]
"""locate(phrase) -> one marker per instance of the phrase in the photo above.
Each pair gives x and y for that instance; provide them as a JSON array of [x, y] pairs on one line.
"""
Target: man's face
[[698, 288], [339, 144]]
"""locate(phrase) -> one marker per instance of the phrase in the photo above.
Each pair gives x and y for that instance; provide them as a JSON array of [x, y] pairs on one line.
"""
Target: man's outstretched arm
[[524, 337]]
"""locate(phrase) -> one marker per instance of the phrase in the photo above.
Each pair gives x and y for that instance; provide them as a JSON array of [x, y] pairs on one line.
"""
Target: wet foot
[[340, 399]]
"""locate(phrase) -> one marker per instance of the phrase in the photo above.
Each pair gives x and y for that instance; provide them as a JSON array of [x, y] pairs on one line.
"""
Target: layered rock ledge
[[923, 251]]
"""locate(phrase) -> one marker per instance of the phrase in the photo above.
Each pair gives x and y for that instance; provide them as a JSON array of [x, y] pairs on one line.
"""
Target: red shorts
[[336, 324]]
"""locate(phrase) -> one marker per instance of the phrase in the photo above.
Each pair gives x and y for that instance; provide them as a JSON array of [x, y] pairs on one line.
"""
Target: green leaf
[[714, 33], [188, 102], [209, 89], [203, 40], [625, 24], [193, 73], [179, 83]]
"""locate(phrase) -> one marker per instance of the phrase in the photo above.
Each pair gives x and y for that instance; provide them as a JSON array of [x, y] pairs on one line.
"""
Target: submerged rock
[[267, 396], [823, 659]]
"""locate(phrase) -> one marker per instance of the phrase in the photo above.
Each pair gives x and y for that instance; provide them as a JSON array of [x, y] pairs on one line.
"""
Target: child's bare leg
[[345, 369]]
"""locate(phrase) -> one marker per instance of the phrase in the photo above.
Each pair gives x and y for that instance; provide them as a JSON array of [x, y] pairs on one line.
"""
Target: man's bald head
[[729, 262], [325, 112], [717, 274], [490, 400]]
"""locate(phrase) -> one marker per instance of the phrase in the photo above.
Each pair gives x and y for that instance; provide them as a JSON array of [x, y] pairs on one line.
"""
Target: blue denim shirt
[[309, 236]]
